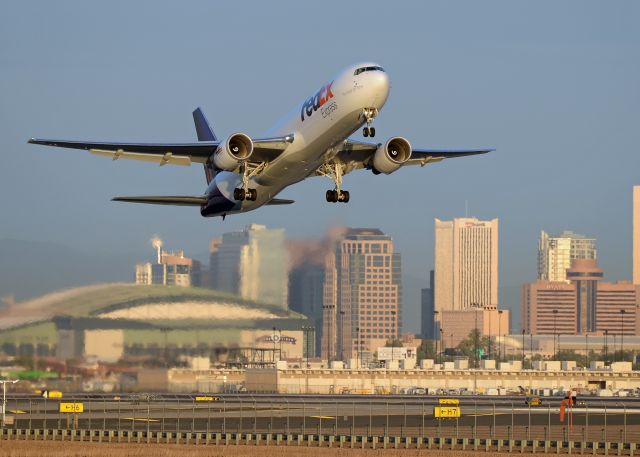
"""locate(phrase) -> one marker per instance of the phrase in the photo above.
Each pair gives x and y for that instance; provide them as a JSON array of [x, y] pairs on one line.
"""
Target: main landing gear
[[334, 172], [334, 196], [248, 171], [249, 194], [369, 114]]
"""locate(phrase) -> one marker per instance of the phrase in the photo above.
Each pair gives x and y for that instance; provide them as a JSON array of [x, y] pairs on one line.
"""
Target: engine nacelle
[[235, 150], [391, 155]]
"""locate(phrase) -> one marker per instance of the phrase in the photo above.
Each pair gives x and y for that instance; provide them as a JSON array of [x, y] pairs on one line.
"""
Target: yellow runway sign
[[207, 398], [71, 407], [446, 411]]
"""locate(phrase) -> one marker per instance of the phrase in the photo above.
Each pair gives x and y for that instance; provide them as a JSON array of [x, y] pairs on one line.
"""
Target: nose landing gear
[[369, 114]]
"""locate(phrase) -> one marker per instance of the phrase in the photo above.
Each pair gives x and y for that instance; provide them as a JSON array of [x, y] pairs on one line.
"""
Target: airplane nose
[[380, 83]]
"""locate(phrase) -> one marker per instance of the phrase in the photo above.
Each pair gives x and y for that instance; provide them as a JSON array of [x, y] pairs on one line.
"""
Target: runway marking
[[322, 417], [485, 414], [141, 419]]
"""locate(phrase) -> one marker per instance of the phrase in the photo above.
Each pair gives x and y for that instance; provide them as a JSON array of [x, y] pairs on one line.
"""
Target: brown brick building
[[584, 305]]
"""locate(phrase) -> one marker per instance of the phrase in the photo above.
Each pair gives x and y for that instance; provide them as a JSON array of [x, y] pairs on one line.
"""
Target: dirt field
[[68, 449]]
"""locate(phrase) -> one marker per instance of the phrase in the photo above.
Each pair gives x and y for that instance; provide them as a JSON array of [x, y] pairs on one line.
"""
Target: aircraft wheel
[[345, 196], [372, 132], [253, 195], [239, 194], [365, 131], [332, 196]]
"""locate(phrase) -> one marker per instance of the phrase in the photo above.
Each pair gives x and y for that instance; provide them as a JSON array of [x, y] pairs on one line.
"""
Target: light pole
[[499, 334], [435, 332], [274, 337], [342, 343], [555, 333], [622, 312], [358, 347], [4, 397], [441, 347], [606, 348], [490, 318], [475, 340], [395, 334], [586, 350], [523, 330]]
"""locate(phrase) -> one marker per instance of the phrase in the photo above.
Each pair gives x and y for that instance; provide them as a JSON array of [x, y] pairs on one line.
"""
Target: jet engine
[[391, 155], [235, 150]]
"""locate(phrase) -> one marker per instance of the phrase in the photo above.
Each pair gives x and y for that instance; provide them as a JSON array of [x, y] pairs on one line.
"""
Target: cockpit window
[[363, 69]]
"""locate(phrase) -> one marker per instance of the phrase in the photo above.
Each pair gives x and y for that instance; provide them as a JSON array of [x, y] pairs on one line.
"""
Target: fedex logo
[[315, 102]]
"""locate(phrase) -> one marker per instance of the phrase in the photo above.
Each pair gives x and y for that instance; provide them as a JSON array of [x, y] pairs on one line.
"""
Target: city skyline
[[542, 123]]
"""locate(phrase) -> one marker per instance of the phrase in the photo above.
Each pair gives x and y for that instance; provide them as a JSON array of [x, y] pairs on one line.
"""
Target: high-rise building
[[363, 295], [636, 234], [582, 306], [466, 264], [254, 264], [427, 310], [306, 283], [555, 254], [170, 268]]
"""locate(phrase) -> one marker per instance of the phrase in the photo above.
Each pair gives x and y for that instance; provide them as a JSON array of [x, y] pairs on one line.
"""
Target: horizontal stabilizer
[[280, 201], [164, 200]]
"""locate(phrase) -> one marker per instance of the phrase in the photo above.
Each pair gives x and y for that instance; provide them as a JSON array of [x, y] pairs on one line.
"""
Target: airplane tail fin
[[205, 133]]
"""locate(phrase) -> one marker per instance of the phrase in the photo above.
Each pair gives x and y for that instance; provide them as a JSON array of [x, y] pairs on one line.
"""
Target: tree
[[394, 343], [426, 350], [475, 341]]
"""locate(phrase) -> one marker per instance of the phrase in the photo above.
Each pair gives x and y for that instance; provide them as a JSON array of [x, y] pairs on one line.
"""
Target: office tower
[[212, 276], [466, 264], [253, 263], [169, 269], [585, 274], [636, 235], [584, 305], [363, 294], [306, 283], [555, 254], [427, 310]]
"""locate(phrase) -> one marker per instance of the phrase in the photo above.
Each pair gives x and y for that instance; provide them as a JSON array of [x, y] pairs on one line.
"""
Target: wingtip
[[32, 141]]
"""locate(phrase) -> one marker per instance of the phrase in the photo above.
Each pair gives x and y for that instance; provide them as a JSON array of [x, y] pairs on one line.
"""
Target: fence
[[599, 421], [352, 441]]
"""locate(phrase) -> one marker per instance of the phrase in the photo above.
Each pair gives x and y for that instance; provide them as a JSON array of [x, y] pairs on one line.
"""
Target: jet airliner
[[245, 173]]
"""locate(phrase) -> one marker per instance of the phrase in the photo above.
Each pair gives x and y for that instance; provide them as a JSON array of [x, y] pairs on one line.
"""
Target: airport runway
[[502, 417]]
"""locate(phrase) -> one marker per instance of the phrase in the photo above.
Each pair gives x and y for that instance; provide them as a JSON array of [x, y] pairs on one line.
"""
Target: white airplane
[[245, 173]]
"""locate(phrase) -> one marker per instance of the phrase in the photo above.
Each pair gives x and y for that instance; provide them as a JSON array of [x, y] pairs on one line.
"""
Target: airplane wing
[[181, 200], [164, 200], [264, 150], [359, 154]]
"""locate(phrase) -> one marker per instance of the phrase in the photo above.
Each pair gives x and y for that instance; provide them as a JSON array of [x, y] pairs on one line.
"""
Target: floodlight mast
[[4, 397]]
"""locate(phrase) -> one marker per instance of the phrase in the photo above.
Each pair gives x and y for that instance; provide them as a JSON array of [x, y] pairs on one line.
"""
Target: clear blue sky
[[554, 86]]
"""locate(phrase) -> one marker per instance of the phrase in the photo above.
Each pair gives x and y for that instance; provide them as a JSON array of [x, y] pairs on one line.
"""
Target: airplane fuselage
[[319, 124]]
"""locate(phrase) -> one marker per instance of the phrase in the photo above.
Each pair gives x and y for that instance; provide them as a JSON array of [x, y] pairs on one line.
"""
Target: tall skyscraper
[[363, 295], [306, 283], [427, 309], [466, 263], [636, 234], [254, 264], [555, 254]]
